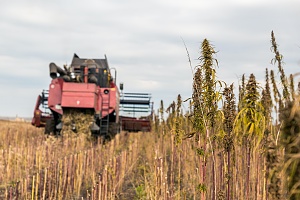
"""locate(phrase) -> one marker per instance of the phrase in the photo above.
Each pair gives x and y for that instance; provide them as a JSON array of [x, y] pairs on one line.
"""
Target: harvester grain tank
[[84, 97]]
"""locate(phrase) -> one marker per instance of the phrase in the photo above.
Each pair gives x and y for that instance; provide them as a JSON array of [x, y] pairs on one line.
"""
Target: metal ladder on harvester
[[104, 122]]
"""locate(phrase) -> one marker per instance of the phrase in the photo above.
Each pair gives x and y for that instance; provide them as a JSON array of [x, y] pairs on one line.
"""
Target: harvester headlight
[[106, 91]]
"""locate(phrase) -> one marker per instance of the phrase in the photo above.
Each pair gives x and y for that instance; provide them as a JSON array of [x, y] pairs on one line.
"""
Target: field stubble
[[131, 166]]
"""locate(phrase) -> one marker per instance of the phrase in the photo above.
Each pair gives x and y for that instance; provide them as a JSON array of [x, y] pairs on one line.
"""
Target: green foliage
[[250, 121], [201, 188], [242, 90], [161, 110], [140, 192], [278, 59], [291, 141], [205, 90], [276, 93], [291, 87], [266, 99], [229, 110], [200, 151]]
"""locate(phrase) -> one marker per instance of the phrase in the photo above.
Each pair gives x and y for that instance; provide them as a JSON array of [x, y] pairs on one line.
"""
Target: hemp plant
[[205, 103], [229, 110], [249, 124]]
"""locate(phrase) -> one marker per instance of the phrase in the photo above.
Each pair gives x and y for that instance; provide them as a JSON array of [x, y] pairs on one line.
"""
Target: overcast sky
[[143, 40]]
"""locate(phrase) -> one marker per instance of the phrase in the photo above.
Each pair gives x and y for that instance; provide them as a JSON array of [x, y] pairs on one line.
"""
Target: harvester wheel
[[114, 128], [50, 126]]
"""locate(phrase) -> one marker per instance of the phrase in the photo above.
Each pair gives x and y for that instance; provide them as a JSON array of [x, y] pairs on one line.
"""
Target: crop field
[[246, 149]]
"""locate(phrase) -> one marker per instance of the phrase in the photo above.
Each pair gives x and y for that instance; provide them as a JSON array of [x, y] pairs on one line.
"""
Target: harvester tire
[[50, 126]]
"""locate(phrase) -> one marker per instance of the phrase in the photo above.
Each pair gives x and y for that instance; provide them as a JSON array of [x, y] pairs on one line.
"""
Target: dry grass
[[232, 152], [135, 165], [35, 166]]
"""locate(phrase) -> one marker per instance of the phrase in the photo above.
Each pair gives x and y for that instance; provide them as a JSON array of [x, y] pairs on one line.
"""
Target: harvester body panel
[[55, 94], [79, 95]]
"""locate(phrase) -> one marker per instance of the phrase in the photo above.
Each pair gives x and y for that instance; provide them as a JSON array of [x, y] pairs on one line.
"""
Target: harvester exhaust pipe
[[54, 69]]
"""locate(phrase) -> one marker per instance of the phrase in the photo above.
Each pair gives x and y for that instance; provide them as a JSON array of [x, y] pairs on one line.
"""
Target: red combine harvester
[[85, 95]]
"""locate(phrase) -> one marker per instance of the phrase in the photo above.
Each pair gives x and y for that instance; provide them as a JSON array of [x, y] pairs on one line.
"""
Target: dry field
[[36, 166], [227, 146], [132, 166]]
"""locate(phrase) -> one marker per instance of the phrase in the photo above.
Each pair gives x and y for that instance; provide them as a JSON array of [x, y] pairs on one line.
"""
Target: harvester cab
[[83, 97]]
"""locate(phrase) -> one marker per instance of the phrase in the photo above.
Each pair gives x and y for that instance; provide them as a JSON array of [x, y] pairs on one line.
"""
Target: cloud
[[142, 40]]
